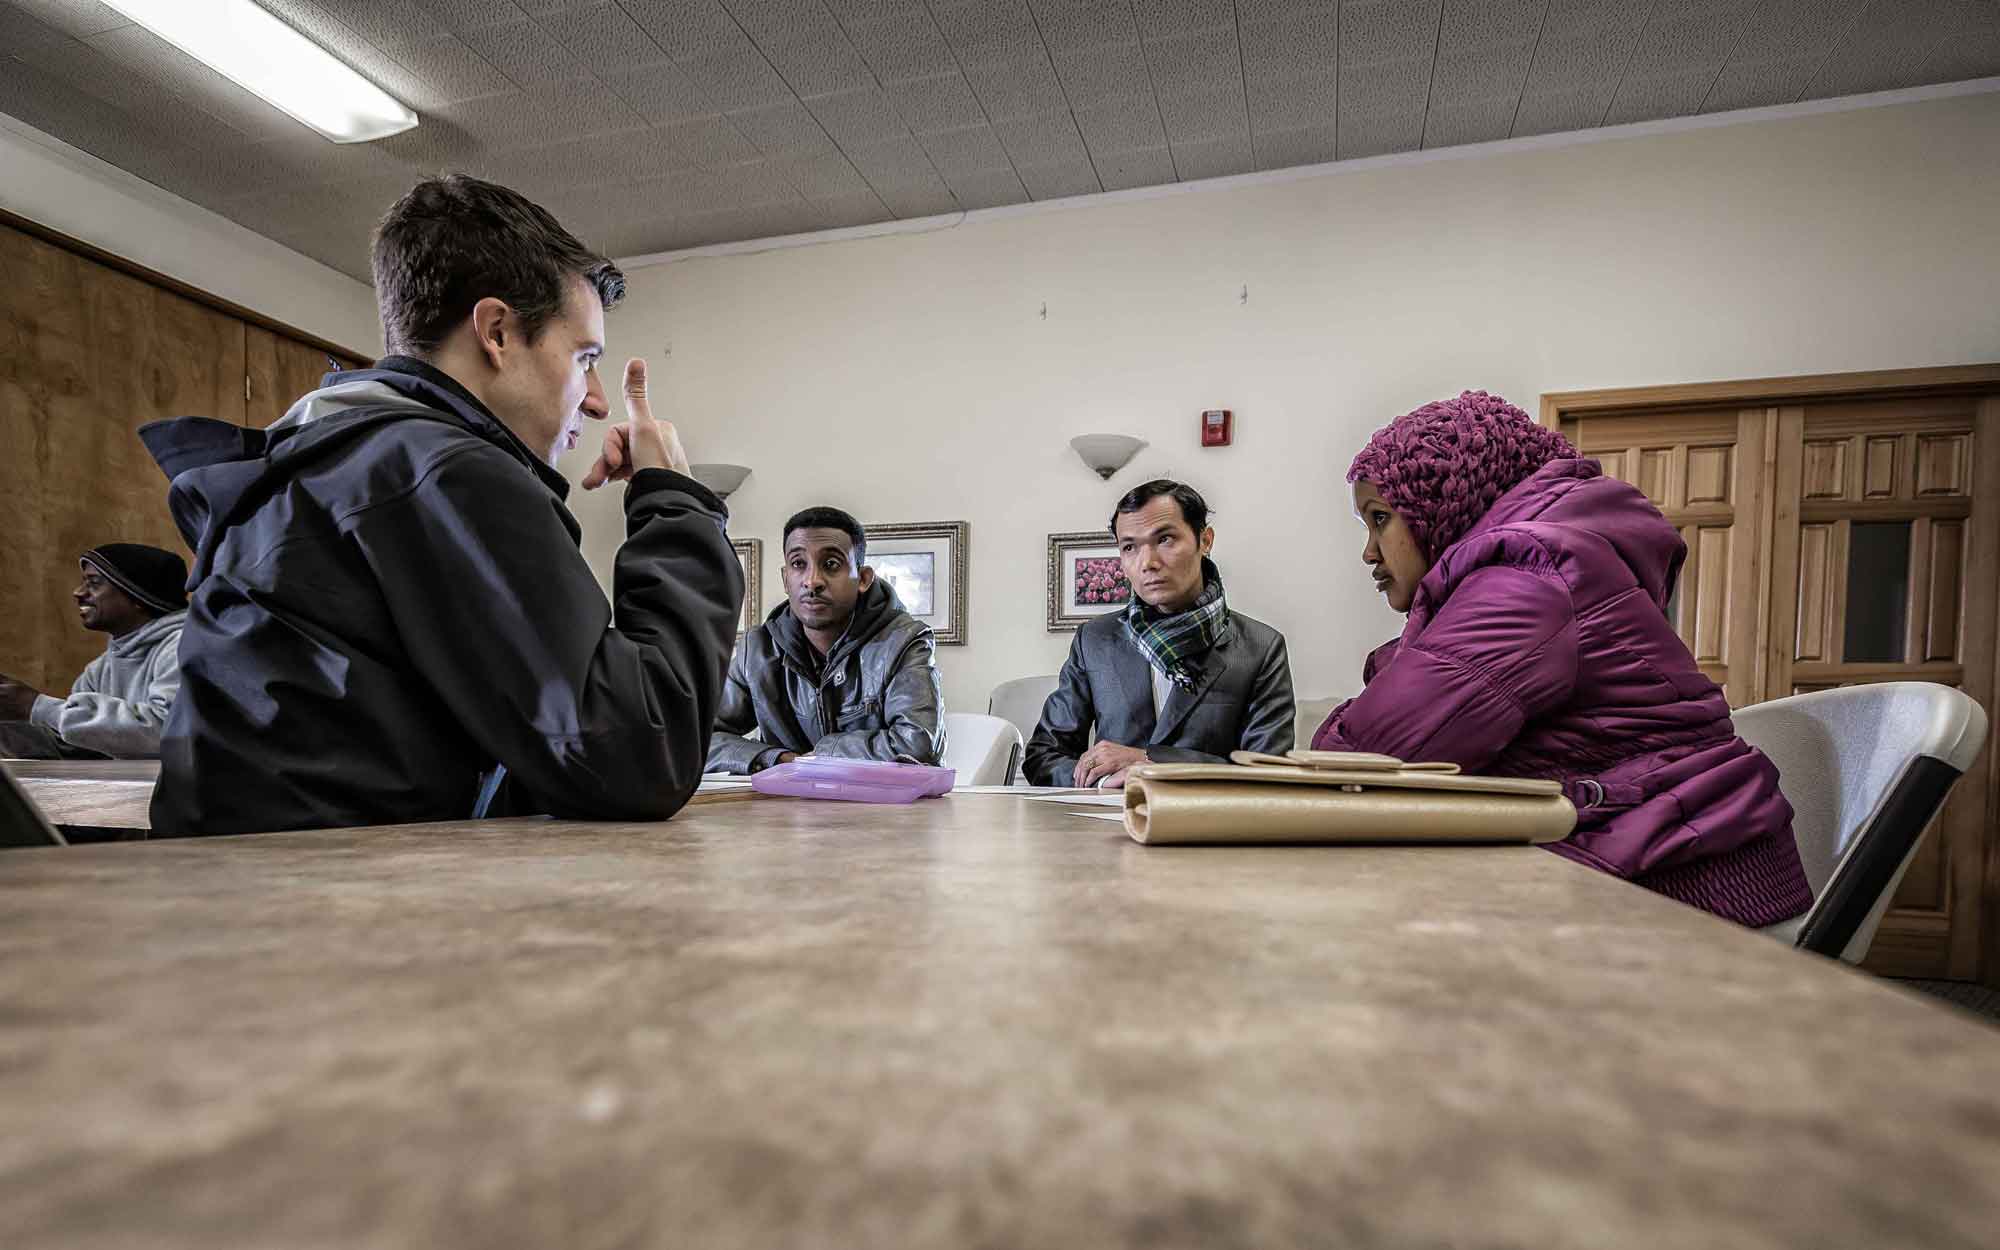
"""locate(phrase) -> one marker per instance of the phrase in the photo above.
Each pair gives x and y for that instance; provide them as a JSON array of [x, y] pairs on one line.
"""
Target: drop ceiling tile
[[662, 94], [1385, 86], [450, 71], [1387, 30], [834, 212], [1161, 18], [90, 71], [1010, 89], [1469, 121], [1758, 84], [1198, 116], [1312, 100], [989, 189], [782, 21], [388, 24], [918, 199], [78, 19], [1059, 181], [784, 130], [821, 176], [707, 141], [1122, 124], [1614, 20], [1677, 45], [1306, 145], [1569, 63], [1478, 23], [555, 169], [1194, 61], [1070, 24], [1644, 98], [1047, 139], [464, 15], [1480, 73], [1214, 158], [903, 47], [737, 79], [436, 144], [1578, 108], [1294, 47], [542, 114], [858, 118], [898, 161], [854, 12], [737, 186], [942, 103], [604, 37], [973, 150], [1149, 167], [523, 51], [982, 31], [1973, 52], [1377, 134], [1101, 72], [686, 29], [813, 68]]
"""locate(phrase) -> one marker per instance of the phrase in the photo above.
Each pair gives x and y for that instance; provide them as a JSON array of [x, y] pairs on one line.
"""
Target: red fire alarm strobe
[[1215, 428]]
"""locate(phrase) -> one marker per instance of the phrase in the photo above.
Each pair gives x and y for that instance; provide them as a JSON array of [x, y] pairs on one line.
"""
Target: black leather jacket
[[875, 696]]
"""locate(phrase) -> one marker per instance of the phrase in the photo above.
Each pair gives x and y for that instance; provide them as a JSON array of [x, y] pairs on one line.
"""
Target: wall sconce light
[[1105, 454], [723, 479]]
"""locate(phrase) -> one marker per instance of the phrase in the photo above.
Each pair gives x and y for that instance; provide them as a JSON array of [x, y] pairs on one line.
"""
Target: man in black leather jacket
[[839, 669]]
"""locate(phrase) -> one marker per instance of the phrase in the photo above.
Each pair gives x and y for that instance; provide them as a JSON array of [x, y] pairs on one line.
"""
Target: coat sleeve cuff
[[646, 481], [46, 711]]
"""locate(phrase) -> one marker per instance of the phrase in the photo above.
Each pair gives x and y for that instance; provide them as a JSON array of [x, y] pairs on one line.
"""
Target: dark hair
[[831, 519], [1194, 509], [452, 241]]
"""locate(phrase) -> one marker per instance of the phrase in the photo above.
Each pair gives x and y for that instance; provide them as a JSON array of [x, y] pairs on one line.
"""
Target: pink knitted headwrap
[[1442, 466]]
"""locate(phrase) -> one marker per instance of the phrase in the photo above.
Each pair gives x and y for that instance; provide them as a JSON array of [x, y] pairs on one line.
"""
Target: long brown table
[[977, 1021], [103, 794]]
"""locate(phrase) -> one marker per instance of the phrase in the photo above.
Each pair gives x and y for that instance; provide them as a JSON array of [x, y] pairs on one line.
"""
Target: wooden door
[[280, 370], [87, 355], [1888, 545], [1705, 471]]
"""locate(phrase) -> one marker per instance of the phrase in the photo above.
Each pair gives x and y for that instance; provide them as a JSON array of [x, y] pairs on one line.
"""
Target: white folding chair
[[983, 750], [1866, 768], [1021, 700]]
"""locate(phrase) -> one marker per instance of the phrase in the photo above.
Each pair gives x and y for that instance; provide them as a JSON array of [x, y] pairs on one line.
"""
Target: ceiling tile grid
[[655, 124]]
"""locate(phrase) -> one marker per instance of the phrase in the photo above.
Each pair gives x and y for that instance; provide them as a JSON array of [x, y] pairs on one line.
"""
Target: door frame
[[1780, 392]]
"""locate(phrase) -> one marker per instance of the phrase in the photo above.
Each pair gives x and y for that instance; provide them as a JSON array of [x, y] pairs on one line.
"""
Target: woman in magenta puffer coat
[[1538, 646]]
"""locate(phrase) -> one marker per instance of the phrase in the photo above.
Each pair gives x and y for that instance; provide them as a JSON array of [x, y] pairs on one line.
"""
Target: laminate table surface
[[974, 1021], [107, 794]]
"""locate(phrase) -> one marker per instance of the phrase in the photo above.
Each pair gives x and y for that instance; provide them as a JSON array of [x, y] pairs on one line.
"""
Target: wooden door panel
[[280, 369], [93, 354]]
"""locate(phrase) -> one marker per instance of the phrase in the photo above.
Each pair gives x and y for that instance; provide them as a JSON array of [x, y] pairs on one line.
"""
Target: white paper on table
[[1090, 798], [1117, 816]]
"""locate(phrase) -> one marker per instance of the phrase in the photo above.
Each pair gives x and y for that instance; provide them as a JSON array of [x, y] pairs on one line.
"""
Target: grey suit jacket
[[1241, 701]]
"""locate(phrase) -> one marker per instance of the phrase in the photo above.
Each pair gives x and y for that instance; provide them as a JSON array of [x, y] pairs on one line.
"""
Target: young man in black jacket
[[390, 618]]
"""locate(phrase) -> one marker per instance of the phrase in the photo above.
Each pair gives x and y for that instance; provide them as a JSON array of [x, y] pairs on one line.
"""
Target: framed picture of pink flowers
[[1085, 579]]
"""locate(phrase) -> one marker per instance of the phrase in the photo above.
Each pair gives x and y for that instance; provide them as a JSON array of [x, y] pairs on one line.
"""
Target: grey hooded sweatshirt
[[120, 702]]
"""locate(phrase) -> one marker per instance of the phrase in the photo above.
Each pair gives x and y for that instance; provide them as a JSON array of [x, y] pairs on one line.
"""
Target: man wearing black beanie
[[119, 705]]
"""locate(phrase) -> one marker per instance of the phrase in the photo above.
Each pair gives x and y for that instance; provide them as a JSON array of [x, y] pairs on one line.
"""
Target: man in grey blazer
[[1177, 677]]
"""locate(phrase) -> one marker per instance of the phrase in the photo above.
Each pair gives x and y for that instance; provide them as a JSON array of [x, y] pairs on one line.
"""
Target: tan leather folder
[[1329, 796]]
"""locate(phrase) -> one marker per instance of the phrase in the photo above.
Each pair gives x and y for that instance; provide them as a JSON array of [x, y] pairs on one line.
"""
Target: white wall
[[911, 377], [48, 181]]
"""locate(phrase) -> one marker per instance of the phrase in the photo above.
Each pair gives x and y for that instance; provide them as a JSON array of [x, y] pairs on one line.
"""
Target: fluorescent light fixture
[[259, 53]]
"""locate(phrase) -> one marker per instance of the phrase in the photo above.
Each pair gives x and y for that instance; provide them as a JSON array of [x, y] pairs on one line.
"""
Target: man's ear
[[492, 328], [1207, 540], [867, 576]]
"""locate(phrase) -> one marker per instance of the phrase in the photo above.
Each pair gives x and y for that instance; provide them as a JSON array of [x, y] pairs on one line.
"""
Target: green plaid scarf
[[1175, 642]]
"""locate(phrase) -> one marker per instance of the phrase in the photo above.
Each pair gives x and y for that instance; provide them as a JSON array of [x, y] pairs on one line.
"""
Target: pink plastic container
[[854, 781]]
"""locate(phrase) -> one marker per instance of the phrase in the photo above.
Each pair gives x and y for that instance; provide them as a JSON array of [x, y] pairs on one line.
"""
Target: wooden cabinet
[[1848, 532], [90, 351]]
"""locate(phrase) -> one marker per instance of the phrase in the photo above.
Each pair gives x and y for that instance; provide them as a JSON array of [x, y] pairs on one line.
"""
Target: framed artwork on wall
[[1085, 579], [925, 563], [750, 554]]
